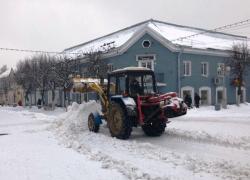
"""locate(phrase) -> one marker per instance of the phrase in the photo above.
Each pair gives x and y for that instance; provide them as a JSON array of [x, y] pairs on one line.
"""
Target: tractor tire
[[93, 127], [118, 122], [154, 129]]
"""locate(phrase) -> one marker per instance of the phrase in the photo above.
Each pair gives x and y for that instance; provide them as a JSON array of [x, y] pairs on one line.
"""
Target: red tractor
[[131, 100]]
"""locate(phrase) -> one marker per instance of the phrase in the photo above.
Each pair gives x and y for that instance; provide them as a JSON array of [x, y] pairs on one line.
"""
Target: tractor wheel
[[91, 123], [118, 122], [155, 128]]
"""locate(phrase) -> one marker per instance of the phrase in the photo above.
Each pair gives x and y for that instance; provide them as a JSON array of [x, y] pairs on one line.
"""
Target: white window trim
[[188, 88], [244, 94], [219, 64], [190, 68], [110, 65], [149, 60], [206, 88], [143, 43], [205, 75], [220, 88]]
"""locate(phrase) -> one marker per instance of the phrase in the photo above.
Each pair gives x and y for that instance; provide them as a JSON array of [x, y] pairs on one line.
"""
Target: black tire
[[92, 125], [154, 129], [118, 122]]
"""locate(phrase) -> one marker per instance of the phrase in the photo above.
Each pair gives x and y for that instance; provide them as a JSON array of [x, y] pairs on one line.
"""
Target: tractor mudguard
[[97, 118], [126, 102]]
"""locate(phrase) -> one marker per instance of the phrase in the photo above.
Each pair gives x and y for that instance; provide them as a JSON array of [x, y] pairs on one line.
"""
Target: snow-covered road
[[204, 144], [31, 152]]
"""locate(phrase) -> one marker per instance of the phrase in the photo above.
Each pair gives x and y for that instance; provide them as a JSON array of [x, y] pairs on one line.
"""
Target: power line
[[212, 30], [37, 51]]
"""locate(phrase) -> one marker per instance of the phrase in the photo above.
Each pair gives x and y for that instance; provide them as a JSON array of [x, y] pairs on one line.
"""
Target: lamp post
[[224, 70]]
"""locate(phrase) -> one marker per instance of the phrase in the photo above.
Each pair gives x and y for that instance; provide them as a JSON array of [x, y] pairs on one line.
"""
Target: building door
[[187, 90], [219, 96], [204, 97], [205, 94], [243, 94]]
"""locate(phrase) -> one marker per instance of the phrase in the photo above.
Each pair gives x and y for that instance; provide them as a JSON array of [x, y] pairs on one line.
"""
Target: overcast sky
[[53, 25]]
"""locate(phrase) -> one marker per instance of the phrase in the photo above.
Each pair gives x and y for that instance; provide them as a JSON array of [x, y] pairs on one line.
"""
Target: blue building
[[194, 64]]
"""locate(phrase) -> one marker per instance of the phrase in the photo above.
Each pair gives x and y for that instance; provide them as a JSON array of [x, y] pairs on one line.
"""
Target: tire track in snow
[[222, 169], [201, 136], [127, 169]]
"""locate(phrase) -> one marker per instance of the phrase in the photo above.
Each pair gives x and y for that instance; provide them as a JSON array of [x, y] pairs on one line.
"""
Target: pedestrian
[[39, 103], [188, 101], [197, 100]]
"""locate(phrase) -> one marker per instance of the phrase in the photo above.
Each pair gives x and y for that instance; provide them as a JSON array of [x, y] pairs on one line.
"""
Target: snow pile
[[75, 121]]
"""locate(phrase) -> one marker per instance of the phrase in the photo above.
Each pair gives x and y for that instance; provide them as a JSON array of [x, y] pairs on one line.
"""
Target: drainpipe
[[179, 71]]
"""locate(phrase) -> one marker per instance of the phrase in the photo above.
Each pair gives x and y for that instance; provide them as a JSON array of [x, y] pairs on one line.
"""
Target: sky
[[54, 25]]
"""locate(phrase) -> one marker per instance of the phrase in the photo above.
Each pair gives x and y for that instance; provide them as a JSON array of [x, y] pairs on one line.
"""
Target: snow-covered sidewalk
[[30, 151], [204, 144]]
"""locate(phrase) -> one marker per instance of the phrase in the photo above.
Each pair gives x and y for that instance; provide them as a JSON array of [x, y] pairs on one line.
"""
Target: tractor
[[130, 99]]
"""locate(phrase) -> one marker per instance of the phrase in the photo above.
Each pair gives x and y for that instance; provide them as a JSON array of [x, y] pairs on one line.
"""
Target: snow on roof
[[113, 40], [132, 69], [213, 40], [170, 32], [6, 73]]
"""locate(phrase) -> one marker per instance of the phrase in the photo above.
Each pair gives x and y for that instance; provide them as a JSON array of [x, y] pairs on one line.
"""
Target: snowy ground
[[204, 144]]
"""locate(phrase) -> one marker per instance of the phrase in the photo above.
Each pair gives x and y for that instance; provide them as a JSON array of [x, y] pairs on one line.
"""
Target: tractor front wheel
[[118, 122], [155, 128], [91, 124]]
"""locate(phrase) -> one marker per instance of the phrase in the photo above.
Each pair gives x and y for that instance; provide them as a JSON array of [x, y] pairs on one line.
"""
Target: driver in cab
[[134, 87]]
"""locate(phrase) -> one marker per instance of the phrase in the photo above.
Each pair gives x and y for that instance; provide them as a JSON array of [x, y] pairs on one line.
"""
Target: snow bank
[[75, 121]]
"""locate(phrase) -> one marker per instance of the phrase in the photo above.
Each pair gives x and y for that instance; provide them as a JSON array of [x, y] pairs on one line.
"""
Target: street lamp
[[224, 70]]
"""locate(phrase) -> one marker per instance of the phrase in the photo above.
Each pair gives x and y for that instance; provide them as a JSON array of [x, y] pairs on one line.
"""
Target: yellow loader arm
[[91, 85]]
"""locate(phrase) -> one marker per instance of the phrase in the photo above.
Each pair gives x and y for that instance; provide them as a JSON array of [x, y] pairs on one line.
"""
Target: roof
[[167, 32], [5, 74], [131, 69]]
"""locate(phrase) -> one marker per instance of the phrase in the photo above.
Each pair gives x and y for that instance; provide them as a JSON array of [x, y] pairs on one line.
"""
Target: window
[[147, 64], [110, 67], [187, 68], [146, 44], [117, 85], [146, 61], [204, 69], [220, 69]]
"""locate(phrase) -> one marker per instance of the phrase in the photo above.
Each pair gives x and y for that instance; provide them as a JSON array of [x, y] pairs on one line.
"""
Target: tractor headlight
[[162, 103]]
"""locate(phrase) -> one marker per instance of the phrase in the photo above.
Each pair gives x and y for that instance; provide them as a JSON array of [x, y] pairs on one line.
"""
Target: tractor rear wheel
[[155, 128], [91, 123], [118, 122]]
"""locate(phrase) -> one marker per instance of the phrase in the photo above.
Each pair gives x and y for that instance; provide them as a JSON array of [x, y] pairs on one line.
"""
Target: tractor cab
[[131, 81]]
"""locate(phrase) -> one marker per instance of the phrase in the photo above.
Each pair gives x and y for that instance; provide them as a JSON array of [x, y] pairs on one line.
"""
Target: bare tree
[[43, 73], [24, 76], [97, 67], [239, 64], [63, 68]]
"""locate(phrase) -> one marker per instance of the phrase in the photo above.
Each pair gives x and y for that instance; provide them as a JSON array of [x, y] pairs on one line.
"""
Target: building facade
[[184, 65]]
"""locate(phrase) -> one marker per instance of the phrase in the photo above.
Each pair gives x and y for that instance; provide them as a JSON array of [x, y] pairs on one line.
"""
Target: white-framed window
[[204, 69], [146, 61], [220, 69], [110, 67], [146, 44], [187, 68]]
